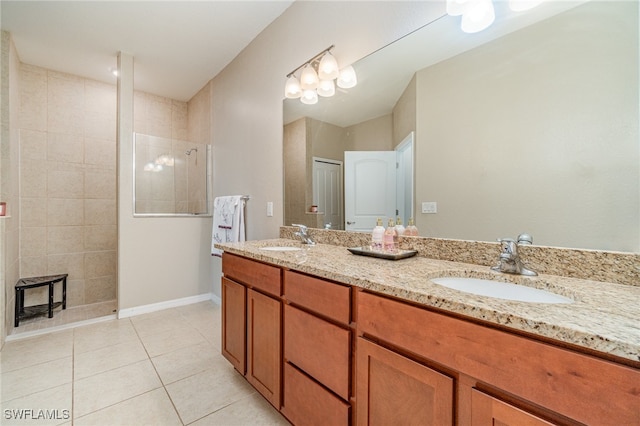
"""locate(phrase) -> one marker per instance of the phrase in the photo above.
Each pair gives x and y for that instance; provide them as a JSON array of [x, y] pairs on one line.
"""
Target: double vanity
[[328, 338]]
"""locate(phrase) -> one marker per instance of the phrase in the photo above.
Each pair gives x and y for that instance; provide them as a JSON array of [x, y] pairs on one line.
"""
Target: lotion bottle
[[400, 230], [411, 229], [390, 237], [377, 236]]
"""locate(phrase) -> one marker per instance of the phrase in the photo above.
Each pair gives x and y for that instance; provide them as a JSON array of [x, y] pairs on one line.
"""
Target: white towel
[[228, 221]]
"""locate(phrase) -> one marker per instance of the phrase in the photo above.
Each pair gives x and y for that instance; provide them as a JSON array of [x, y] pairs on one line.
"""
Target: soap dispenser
[[400, 230], [411, 229], [377, 236], [390, 237]]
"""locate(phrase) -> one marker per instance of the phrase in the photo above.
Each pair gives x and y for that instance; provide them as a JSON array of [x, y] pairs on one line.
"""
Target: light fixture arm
[[310, 61]]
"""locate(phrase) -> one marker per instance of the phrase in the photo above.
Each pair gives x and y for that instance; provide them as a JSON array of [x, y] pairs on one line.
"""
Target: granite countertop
[[604, 316]]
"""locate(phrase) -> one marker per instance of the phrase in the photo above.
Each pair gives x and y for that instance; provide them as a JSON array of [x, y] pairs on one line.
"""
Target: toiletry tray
[[395, 255]]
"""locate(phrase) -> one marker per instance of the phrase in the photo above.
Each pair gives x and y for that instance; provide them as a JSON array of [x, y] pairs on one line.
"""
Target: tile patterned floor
[[162, 368]]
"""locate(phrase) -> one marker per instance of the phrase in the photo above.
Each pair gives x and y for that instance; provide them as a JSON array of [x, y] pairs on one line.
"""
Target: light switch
[[270, 208], [429, 207]]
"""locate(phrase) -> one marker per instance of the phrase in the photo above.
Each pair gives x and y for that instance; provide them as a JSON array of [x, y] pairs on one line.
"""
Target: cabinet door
[[234, 322], [486, 410], [392, 389], [263, 345]]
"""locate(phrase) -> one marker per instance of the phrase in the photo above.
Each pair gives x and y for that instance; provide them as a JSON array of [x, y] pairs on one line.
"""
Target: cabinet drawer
[[486, 410], [320, 349], [579, 386], [307, 403], [253, 274], [323, 297]]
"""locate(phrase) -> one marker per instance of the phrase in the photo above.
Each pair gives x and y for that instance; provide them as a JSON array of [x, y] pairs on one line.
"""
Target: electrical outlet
[[429, 207], [269, 209]]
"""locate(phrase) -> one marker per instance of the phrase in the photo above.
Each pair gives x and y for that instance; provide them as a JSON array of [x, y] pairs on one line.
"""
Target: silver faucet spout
[[302, 233], [509, 261]]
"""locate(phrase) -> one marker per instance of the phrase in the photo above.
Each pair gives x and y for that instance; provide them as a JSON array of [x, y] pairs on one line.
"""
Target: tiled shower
[[67, 196]]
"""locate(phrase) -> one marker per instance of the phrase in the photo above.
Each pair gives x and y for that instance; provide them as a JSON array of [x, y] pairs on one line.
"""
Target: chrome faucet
[[302, 233], [510, 261]]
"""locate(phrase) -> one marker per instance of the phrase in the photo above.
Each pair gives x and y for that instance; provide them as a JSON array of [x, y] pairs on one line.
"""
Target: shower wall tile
[[100, 184], [100, 97], [33, 212], [65, 91], [65, 184], [65, 148], [179, 121], [100, 152], [33, 241], [99, 264], [99, 212], [33, 145], [33, 178], [70, 263], [65, 239], [33, 266], [75, 292], [65, 212], [100, 237], [65, 120], [33, 98], [100, 289], [99, 126]]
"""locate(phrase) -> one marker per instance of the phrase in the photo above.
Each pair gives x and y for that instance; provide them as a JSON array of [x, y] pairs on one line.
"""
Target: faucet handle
[[509, 245], [303, 228]]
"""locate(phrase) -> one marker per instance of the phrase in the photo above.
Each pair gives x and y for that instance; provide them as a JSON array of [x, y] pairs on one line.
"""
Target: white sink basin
[[500, 290], [280, 248]]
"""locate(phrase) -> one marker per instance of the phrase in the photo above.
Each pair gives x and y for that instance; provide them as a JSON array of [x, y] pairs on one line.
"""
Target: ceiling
[[178, 46]]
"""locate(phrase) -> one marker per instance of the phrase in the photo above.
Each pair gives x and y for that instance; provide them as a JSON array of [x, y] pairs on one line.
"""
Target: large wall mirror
[[529, 126], [170, 177]]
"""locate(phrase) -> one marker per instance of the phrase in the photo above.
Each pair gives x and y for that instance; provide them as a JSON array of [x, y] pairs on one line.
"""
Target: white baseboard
[[145, 309]]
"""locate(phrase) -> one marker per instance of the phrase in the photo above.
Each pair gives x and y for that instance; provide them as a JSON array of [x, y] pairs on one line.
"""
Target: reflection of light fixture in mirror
[[152, 167], [326, 88], [317, 78], [478, 15], [347, 78], [309, 97], [455, 7], [165, 160]]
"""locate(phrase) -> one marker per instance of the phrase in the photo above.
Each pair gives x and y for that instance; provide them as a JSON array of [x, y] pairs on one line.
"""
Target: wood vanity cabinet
[[496, 377], [251, 322], [317, 351]]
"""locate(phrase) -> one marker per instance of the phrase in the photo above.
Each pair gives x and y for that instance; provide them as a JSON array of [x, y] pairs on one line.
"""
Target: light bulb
[[328, 67], [309, 97], [478, 16], [292, 89], [347, 78], [309, 78], [326, 88]]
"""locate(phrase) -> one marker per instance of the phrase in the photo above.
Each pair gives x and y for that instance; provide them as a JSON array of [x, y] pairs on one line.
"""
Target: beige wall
[[528, 148], [371, 135], [404, 113]]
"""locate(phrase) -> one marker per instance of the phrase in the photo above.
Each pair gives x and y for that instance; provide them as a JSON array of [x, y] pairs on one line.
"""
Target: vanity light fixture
[[478, 15], [317, 78]]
